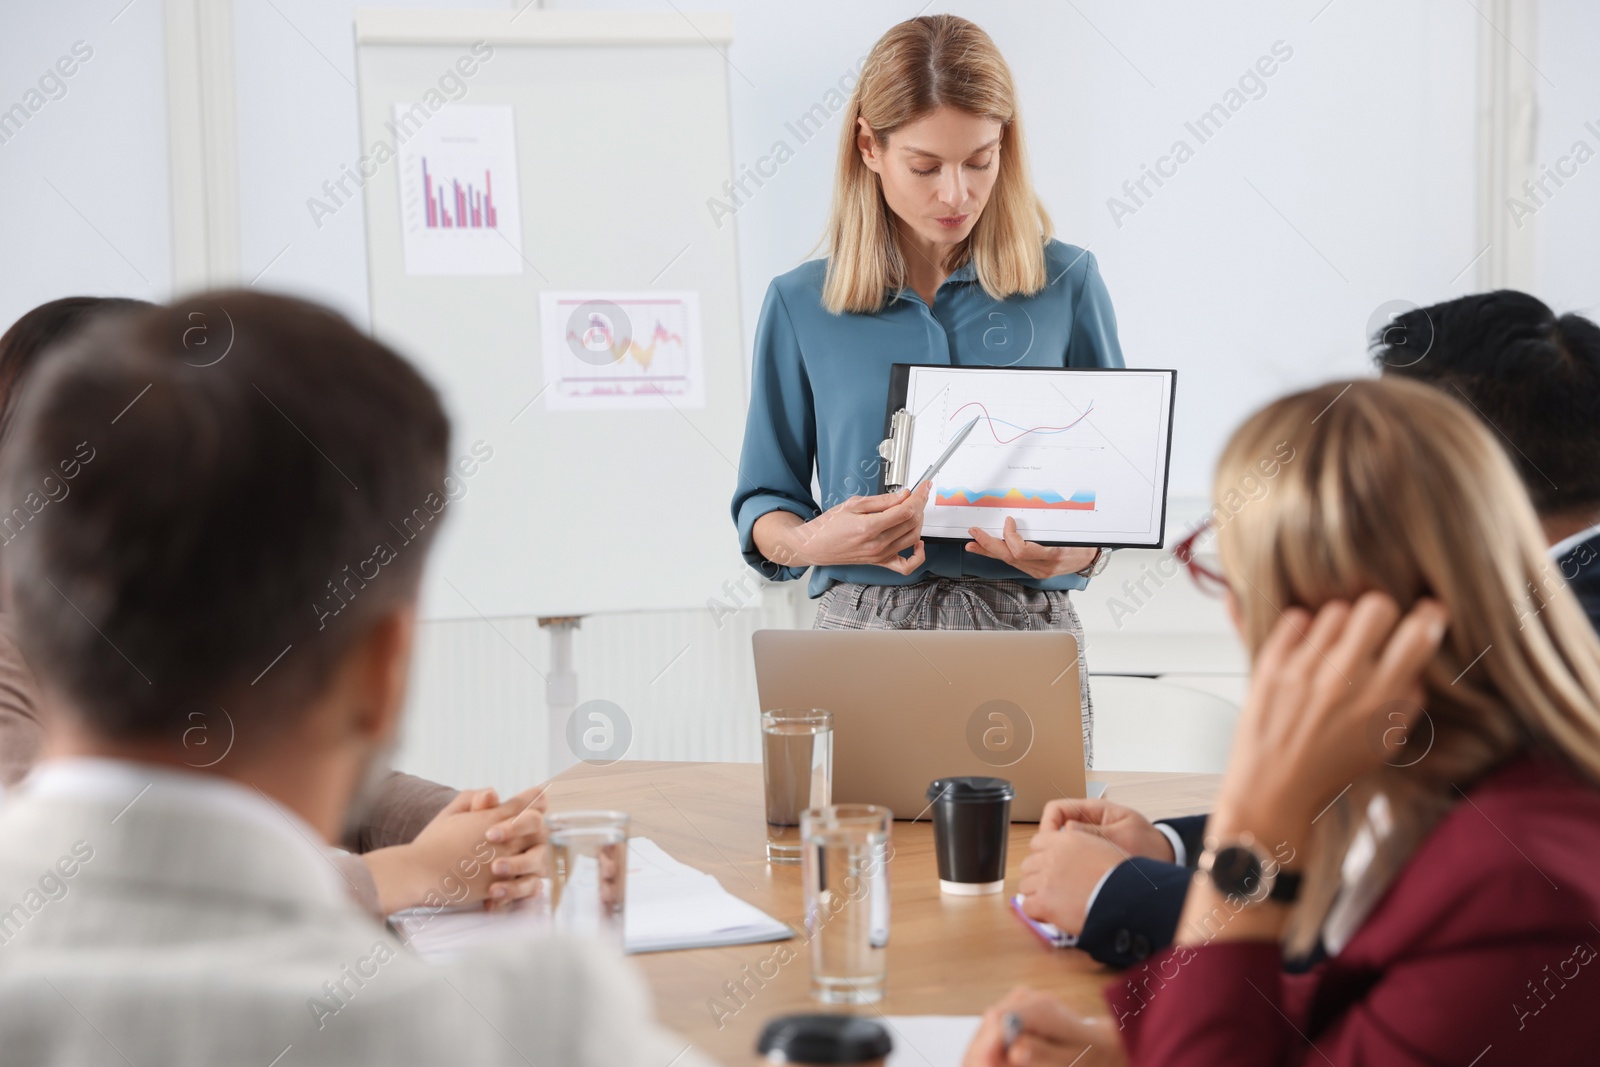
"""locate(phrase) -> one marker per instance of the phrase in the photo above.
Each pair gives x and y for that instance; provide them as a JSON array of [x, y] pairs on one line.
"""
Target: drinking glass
[[797, 763], [589, 874], [844, 867]]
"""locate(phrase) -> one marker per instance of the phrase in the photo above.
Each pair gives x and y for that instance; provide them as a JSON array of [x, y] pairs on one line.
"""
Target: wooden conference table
[[947, 955]]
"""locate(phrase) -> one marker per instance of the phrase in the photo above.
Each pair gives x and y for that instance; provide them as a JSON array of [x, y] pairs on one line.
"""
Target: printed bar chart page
[[1074, 456], [458, 189]]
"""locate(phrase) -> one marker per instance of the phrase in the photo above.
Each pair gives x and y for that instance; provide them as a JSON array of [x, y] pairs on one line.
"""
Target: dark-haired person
[[20, 346], [411, 822], [1534, 378], [1414, 783], [188, 916]]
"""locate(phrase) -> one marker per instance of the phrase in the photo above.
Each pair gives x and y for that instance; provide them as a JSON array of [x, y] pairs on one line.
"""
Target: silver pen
[[944, 457], [1010, 1030]]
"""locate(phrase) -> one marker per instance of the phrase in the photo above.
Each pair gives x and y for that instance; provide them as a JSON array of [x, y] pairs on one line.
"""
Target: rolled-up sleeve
[[1094, 325], [780, 437]]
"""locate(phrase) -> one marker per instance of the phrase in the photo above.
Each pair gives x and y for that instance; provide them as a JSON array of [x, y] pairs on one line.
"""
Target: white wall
[[1566, 225], [83, 182]]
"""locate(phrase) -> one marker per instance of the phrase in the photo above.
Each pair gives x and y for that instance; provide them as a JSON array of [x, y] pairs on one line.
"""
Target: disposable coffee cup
[[971, 821], [819, 1039]]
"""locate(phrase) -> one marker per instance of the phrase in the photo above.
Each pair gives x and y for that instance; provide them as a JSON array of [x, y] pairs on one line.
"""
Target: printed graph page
[[1075, 457], [459, 206], [607, 351]]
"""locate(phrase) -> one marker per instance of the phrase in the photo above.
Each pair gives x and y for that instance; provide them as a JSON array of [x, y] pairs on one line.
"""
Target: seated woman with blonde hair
[[1412, 793]]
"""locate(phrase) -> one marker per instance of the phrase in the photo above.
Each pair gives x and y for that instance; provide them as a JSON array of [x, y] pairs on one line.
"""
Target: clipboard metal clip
[[895, 451]]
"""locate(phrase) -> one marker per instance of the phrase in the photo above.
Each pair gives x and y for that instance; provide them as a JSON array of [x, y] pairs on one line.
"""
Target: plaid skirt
[[959, 604]]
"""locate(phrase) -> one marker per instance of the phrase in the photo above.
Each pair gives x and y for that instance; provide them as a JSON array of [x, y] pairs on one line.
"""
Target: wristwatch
[[1102, 556], [1243, 872]]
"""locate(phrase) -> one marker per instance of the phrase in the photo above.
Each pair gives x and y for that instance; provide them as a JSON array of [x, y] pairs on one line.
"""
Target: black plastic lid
[[824, 1039], [970, 788]]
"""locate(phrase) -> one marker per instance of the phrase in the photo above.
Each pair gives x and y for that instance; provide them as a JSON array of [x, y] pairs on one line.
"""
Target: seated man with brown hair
[[155, 912], [410, 819]]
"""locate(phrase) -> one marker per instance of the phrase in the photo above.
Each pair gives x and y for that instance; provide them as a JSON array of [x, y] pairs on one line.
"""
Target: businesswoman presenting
[[939, 253]]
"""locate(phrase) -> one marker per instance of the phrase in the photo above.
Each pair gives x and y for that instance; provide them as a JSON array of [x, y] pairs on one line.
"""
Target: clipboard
[[1076, 455]]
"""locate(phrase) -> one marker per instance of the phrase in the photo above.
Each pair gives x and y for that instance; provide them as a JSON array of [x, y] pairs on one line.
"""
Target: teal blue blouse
[[821, 383]]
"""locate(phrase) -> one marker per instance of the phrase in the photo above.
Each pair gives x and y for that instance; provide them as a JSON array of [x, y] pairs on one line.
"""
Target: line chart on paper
[[1005, 432], [606, 350], [1072, 456]]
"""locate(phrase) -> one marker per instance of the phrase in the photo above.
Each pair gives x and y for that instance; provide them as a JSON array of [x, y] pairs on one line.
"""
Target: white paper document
[[670, 905], [673, 905], [459, 207], [1074, 456], [930, 1040]]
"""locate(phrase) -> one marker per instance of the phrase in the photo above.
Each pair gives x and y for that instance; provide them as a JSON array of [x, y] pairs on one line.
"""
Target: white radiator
[[476, 715]]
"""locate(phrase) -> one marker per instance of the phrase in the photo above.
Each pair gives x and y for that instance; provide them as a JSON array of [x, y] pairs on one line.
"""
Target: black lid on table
[[824, 1039], [970, 787]]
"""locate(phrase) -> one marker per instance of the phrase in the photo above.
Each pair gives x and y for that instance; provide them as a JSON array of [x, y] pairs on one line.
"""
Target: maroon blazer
[[1482, 952]]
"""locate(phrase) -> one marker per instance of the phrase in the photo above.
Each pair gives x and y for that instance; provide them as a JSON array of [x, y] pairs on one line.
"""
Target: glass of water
[[844, 867], [589, 874], [797, 763]]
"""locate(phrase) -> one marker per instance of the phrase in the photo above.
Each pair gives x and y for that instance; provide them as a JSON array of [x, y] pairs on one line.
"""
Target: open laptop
[[910, 706]]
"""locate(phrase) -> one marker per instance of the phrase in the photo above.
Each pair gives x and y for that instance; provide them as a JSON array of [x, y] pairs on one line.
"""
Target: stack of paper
[[670, 905], [444, 933], [673, 905]]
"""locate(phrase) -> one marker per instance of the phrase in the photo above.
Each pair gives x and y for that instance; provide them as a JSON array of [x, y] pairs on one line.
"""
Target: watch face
[[1236, 871]]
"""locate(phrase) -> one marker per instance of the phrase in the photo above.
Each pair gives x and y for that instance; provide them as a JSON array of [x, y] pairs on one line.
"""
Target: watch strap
[[1101, 558], [1286, 887]]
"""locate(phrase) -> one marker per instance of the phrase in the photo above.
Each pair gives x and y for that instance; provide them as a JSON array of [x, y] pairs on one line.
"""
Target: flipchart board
[[540, 243]]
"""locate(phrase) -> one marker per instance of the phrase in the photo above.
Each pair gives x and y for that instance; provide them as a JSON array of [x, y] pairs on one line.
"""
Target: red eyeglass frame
[[1207, 579]]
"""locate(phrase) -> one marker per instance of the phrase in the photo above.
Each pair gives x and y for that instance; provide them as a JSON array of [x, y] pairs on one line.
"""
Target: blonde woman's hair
[[1396, 487], [917, 67]]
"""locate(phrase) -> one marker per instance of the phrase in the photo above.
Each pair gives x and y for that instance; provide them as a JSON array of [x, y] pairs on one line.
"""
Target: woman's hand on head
[[1327, 694], [1034, 560], [871, 530]]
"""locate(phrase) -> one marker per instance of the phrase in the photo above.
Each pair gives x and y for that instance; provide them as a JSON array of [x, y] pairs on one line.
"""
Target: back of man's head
[[207, 505], [1533, 376]]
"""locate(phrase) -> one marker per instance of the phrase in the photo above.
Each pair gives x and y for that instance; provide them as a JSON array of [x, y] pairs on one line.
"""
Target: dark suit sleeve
[[1136, 912], [1581, 569], [1191, 830]]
